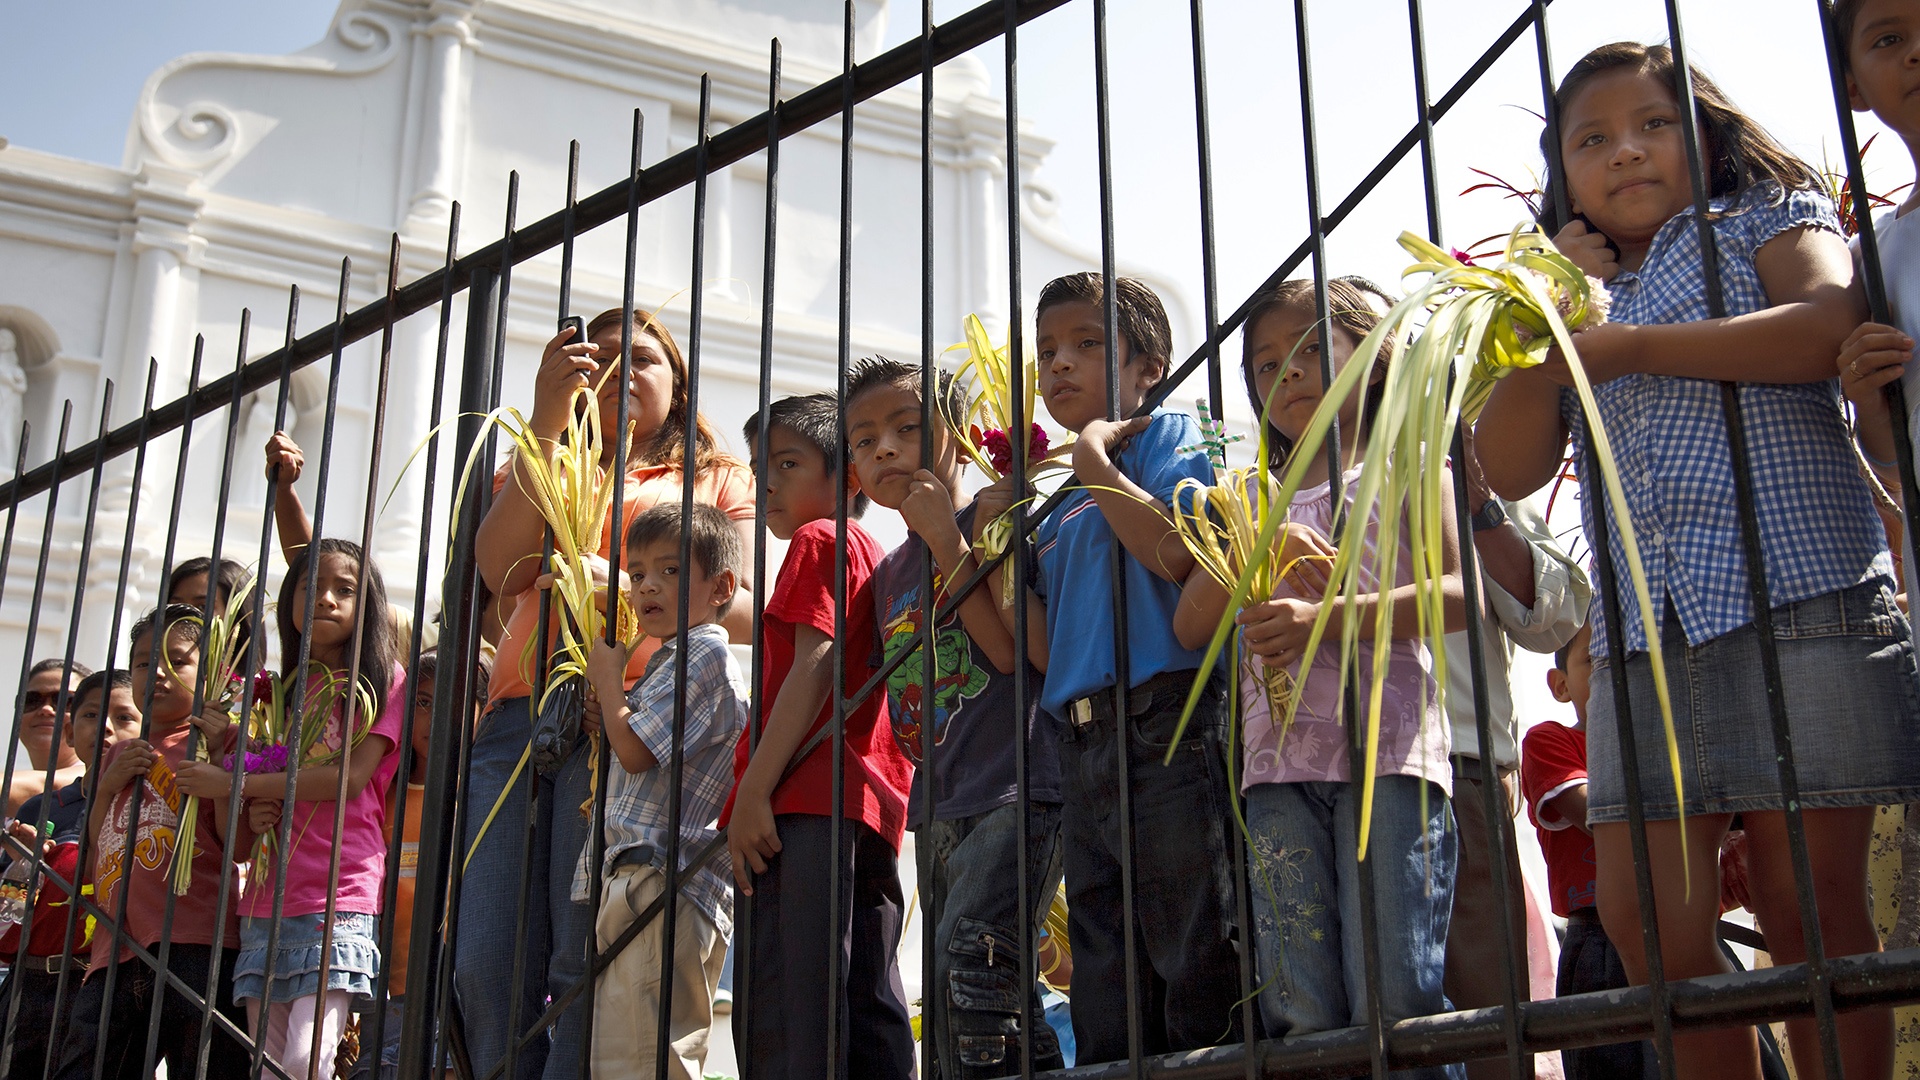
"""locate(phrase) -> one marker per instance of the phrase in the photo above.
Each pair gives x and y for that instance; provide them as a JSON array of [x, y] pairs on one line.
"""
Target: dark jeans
[[1588, 962], [783, 1032], [126, 1034], [34, 1024], [969, 887], [1186, 946]]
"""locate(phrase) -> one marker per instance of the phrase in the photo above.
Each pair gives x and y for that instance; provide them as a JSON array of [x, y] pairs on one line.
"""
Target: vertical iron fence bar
[[596, 830], [283, 854], [256, 647], [930, 997], [442, 827], [1116, 552], [836, 893], [1015, 561], [1871, 276], [1216, 397], [256, 638], [743, 905], [39, 592], [1819, 983], [1498, 814], [403, 771], [1660, 995], [676, 769], [63, 702], [361, 576], [1357, 759]]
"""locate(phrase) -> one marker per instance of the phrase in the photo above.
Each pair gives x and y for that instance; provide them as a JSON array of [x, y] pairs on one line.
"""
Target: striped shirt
[[1818, 529], [637, 802]]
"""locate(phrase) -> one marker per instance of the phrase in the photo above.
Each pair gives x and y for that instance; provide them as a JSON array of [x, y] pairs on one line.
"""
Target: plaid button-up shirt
[[637, 803], [1818, 529]]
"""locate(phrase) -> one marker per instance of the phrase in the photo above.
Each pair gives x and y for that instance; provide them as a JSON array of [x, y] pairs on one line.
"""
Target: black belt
[[641, 855], [1588, 914], [1084, 712], [1470, 769], [51, 965]]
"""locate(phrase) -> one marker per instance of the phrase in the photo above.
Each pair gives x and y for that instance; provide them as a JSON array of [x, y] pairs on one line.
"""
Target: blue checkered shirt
[[1818, 529], [637, 803]]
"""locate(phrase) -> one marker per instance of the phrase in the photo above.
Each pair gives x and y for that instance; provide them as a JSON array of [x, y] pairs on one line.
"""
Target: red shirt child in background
[[1553, 777]]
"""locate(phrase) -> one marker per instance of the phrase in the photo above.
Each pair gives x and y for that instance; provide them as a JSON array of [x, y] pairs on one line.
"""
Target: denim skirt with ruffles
[[354, 963]]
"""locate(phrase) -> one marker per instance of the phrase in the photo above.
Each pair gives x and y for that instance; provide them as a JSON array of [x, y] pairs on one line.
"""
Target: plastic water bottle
[[16, 889]]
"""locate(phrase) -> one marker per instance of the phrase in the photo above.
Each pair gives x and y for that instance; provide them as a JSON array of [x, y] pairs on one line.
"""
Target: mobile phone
[[577, 325]]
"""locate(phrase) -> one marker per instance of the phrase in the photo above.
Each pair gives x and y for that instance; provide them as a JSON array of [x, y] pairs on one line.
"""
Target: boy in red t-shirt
[[1553, 775], [780, 834]]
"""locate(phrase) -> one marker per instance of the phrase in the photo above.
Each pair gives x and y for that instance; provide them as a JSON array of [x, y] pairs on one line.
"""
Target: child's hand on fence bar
[[989, 503], [131, 763], [202, 779], [21, 833], [590, 719], [213, 722], [606, 674], [284, 454], [1587, 250], [1277, 630], [928, 510], [752, 838], [565, 367], [1100, 440], [1872, 356], [263, 815]]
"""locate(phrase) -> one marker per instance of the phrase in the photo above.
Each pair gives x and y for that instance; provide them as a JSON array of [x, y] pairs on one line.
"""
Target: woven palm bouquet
[[985, 427], [1467, 325]]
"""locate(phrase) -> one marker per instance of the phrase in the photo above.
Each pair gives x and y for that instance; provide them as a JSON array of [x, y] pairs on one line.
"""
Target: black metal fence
[[1821, 987]]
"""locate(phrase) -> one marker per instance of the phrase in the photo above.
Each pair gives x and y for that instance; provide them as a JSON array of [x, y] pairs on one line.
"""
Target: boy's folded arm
[[980, 612], [1141, 521], [1203, 602], [1568, 805]]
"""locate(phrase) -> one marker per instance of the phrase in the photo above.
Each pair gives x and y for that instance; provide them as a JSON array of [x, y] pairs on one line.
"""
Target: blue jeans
[[1185, 940], [1306, 904], [968, 885], [558, 930]]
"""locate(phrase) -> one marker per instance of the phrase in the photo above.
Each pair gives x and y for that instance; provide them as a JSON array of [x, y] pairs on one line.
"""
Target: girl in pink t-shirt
[[296, 1008], [1301, 810]]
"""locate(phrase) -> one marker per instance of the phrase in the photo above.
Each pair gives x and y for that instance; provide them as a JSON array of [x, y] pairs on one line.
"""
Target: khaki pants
[[627, 995]]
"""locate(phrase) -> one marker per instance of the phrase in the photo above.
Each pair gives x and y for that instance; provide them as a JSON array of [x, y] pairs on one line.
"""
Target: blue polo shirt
[[1073, 546]]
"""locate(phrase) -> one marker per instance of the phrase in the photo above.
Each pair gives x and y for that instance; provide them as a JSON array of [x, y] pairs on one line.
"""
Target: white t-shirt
[[1899, 241]]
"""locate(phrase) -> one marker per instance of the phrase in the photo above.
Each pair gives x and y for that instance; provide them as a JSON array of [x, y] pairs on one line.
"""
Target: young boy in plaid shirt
[[639, 730]]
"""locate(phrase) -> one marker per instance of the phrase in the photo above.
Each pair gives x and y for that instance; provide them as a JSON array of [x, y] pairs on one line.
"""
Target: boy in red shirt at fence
[[780, 834], [147, 766], [101, 709], [1553, 776]]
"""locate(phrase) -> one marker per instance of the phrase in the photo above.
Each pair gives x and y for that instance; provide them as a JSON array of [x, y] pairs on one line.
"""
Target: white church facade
[[243, 174]]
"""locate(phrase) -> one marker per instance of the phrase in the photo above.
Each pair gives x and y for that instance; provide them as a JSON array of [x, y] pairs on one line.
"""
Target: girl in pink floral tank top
[[1301, 805]]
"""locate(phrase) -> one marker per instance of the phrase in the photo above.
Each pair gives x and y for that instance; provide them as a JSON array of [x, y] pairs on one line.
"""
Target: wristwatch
[[1491, 515]]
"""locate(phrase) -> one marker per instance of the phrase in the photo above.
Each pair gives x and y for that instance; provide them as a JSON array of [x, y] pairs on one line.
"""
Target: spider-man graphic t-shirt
[[972, 713]]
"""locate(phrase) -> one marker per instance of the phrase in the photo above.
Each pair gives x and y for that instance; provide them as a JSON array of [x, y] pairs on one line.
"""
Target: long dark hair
[[379, 648], [1739, 153], [1348, 309], [668, 445], [223, 582]]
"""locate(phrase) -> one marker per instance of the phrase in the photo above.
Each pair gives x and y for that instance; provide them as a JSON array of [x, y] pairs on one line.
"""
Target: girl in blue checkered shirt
[[1658, 367]]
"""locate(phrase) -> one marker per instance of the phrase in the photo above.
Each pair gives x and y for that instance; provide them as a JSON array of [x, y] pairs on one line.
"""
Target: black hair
[[1844, 14], [55, 663], [1138, 313], [815, 418], [1560, 658], [229, 580], [1347, 308], [1738, 152], [869, 372], [379, 651], [715, 542], [110, 678], [482, 672], [178, 620]]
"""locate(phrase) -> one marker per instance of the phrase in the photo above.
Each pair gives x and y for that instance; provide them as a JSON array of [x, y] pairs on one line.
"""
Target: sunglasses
[[34, 699]]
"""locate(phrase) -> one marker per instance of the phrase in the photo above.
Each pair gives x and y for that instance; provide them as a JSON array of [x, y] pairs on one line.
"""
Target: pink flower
[[1461, 255]]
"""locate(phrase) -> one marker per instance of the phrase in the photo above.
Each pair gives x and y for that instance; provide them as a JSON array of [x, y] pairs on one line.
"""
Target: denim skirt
[[1853, 707], [354, 963]]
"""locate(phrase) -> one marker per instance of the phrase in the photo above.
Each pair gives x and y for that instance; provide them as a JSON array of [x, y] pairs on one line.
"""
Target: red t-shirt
[[149, 875], [877, 776], [1553, 758]]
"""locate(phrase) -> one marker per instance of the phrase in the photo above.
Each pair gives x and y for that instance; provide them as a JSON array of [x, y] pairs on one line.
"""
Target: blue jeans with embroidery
[[1306, 904], [968, 877], [490, 899]]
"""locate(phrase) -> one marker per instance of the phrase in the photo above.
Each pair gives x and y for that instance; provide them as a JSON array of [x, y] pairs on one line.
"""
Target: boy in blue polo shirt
[[1125, 471]]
